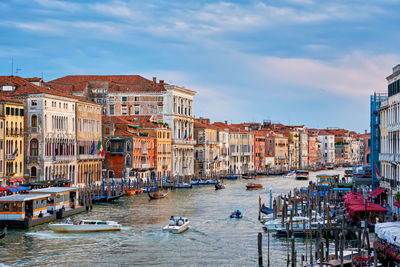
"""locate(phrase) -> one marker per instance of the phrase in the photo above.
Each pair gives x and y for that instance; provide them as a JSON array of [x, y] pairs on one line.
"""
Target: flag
[[15, 152], [377, 173], [93, 148], [100, 148], [190, 137], [216, 157], [184, 138]]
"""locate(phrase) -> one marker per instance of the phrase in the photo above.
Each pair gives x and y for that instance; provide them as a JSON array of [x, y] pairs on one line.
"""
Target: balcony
[[33, 129], [33, 159], [144, 166], [183, 142], [165, 167], [145, 151], [89, 156], [388, 157], [10, 157], [63, 158]]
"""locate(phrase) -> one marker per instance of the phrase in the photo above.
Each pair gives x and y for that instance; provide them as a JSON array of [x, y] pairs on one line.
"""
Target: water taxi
[[251, 186], [177, 226], [302, 174], [85, 226], [327, 180]]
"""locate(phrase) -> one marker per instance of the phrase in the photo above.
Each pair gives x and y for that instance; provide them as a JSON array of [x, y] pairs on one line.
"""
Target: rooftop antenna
[[12, 66], [17, 70]]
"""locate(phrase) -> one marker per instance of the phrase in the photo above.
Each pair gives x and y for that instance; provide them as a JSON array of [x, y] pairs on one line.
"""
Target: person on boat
[[172, 220], [180, 221], [68, 220]]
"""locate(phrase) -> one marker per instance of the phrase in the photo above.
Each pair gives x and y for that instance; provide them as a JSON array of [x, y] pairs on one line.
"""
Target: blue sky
[[311, 62]]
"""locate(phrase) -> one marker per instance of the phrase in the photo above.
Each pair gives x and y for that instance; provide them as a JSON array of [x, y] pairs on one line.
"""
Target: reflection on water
[[213, 238]]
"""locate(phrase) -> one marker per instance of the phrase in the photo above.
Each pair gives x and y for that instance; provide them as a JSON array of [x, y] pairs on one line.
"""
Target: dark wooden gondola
[[219, 186], [157, 195], [3, 234]]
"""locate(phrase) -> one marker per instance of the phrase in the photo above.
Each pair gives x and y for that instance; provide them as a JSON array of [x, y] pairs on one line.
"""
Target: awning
[[12, 189], [396, 204], [20, 187], [370, 207], [3, 189], [376, 192], [353, 195]]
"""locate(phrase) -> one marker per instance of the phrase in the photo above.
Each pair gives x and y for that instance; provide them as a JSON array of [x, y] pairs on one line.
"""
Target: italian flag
[[100, 148]]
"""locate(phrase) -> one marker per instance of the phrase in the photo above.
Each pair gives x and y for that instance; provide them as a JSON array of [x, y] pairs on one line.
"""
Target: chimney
[[226, 122], [366, 131], [162, 81], [154, 80]]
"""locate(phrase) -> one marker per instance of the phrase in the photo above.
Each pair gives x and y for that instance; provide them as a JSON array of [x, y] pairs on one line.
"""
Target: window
[[33, 102], [17, 112], [7, 111], [108, 146], [137, 98], [107, 130], [124, 98], [124, 109], [45, 103], [128, 146], [53, 104], [33, 171], [34, 145], [128, 160], [21, 112], [111, 109], [160, 99], [111, 99], [110, 174], [12, 111], [137, 109], [34, 121]]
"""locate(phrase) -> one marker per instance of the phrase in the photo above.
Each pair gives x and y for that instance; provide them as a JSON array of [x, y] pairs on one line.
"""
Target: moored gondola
[[157, 195]]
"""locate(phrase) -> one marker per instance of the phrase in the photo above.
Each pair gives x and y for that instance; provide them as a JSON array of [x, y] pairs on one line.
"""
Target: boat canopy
[[376, 192]]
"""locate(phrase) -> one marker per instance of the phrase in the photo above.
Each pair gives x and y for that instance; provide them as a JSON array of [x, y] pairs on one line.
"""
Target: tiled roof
[[23, 87], [4, 98], [113, 83]]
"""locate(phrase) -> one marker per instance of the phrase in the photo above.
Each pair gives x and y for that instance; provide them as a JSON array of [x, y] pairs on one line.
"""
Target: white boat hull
[[73, 228], [177, 229]]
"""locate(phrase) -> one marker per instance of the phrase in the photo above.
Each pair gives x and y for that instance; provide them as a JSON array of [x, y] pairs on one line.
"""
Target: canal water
[[213, 238]]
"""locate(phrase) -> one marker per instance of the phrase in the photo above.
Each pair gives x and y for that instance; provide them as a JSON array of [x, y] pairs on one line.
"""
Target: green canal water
[[212, 240]]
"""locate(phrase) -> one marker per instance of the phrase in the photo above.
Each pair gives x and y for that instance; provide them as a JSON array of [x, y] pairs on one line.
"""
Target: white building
[[178, 113], [223, 145], [389, 155], [328, 147]]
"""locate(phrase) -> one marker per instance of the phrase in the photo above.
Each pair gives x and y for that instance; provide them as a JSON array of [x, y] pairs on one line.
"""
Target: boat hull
[[177, 229], [72, 228]]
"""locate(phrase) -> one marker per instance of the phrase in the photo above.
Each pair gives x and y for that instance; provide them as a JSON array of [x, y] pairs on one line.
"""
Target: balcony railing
[[89, 156], [63, 158], [145, 151], [183, 142], [10, 157]]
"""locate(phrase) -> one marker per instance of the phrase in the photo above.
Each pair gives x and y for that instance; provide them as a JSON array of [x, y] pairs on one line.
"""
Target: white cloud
[[355, 74], [56, 4]]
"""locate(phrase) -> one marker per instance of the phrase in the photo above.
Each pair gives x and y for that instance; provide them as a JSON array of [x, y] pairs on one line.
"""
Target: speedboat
[[290, 174], [238, 214], [177, 226], [85, 226], [251, 186]]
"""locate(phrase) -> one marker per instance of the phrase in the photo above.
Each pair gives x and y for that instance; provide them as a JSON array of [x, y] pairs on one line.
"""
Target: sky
[[312, 62]]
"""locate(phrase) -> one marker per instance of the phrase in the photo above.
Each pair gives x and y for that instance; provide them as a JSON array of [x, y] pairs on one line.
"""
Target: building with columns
[[178, 113], [389, 156]]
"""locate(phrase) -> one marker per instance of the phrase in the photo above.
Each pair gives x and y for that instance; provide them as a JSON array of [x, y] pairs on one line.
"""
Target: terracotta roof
[[7, 99], [23, 87], [197, 124], [113, 83]]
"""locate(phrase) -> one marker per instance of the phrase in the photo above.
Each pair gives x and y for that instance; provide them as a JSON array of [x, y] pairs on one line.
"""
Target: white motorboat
[[290, 174], [177, 226], [276, 224], [85, 226]]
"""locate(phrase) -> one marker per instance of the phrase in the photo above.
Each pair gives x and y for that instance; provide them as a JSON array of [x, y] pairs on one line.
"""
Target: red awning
[[376, 192], [13, 181], [2, 189], [353, 195], [397, 204], [20, 180], [371, 207]]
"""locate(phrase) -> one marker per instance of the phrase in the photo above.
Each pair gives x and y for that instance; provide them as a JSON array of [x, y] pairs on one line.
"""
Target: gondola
[[266, 210], [219, 186], [3, 234], [251, 186], [157, 195], [248, 177]]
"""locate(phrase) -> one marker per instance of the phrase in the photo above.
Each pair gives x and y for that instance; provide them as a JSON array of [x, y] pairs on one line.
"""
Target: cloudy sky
[[312, 62]]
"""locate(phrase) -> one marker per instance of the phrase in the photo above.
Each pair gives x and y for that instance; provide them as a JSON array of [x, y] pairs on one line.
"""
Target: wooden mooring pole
[[260, 259]]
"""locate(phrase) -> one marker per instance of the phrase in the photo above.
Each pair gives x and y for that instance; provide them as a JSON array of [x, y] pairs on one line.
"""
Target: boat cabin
[[21, 206], [60, 197], [327, 179]]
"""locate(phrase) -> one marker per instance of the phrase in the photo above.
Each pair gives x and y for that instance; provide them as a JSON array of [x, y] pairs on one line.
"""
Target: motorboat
[[231, 177], [238, 214], [177, 226], [85, 226], [266, 210], [302, 174], [290, 174], [276, 224], [250, 186]]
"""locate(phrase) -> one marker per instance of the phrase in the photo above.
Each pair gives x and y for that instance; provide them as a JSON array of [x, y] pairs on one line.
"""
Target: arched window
[[128, 146], [34, 147], [33, 171], [34, 121], [128, 160], [110, 174]]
